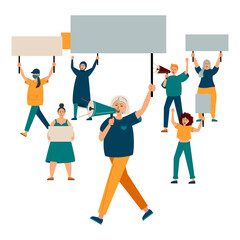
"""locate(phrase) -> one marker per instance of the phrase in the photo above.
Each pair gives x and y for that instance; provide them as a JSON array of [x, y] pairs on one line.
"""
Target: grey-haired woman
[[206, 85]]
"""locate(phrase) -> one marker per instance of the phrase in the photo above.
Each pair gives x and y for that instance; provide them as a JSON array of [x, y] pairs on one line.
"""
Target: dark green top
[[174, 84]]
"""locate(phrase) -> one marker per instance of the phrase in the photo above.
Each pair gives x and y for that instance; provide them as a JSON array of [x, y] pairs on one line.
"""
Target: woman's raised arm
[[21, 71], [139, 113]]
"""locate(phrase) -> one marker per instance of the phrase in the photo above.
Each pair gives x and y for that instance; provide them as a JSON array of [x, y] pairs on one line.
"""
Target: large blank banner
[[36, 46], [118, 34], [206, 42]]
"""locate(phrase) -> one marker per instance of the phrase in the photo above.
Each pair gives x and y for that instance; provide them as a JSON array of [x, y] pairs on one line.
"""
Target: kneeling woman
[[60, 152], [117, 134], [184, 135]]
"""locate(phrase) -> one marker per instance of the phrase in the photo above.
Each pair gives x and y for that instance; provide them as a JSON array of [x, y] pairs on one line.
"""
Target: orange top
[[184, 132], [35, 95]]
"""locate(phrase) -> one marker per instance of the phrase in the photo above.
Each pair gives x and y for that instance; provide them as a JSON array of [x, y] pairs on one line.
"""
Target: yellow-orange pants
[[212, 91], [118, 174]]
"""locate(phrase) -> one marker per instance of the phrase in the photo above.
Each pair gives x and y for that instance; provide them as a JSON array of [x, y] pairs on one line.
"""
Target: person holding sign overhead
[[81, 91], [206, 85], [118, 137], [35, 96]]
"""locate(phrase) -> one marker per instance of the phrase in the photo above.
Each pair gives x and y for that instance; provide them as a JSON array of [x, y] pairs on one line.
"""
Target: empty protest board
[[36, 46], [207, 42], [203, 103], [118, 34]]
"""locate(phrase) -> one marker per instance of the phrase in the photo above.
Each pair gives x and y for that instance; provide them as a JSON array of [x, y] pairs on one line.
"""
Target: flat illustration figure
[[81, 91], [35, 96], [206, 85], [184, 128], [173, 86], [60, 152], [118, 137]]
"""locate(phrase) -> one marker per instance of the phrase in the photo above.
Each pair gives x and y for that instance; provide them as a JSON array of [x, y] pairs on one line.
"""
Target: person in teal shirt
[[173, 86]]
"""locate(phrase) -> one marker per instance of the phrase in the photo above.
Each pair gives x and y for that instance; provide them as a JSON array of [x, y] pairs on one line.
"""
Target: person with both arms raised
[[173, 86], [81, 91]]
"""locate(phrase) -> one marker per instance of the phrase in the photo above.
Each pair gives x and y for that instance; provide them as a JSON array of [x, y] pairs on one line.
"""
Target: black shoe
[[174, 181], [192, 182], [96, 219], [147, 214], [74, 118], [89, 119]]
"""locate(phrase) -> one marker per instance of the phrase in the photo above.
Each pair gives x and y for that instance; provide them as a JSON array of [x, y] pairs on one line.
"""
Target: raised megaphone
[[159, 69], [97, 109]]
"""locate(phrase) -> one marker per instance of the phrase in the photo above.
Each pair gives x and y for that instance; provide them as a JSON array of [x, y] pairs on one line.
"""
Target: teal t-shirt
[[174, 84], [119, 142]]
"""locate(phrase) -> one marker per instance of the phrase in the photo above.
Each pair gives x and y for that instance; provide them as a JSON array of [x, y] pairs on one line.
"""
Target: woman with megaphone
[[117, 134]]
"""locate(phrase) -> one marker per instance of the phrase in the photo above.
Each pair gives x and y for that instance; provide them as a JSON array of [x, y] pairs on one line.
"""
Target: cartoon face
[[207, 65], [120, 107], [35, 75], [61, 112], [185, 121], [82, 66], [174, 70]]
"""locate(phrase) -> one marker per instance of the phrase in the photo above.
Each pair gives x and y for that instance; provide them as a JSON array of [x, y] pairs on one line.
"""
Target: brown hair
[[188, 116]]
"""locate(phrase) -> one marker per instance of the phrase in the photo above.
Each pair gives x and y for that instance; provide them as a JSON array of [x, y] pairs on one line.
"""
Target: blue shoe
[[214, 120], [198, 120], [97, 220], [89, 119], [192, 182], [147, 214], [74, 118], [174, 181]]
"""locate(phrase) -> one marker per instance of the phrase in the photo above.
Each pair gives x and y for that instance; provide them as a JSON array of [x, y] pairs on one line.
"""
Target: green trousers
[[186, 148], [75, 107], [35, 110]]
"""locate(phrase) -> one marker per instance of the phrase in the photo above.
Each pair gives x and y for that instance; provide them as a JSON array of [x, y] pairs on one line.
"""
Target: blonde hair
[[174, 65], [123, 100]]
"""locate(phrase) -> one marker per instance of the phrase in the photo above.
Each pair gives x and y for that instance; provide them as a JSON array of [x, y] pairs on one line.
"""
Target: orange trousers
[[118, 174], [212, 91]]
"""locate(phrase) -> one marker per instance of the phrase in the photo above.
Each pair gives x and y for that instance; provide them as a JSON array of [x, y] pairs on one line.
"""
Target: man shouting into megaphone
[[117, 134]]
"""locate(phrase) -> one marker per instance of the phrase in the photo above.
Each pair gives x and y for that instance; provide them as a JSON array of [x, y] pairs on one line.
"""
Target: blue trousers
[[168, 103], [35, 110]]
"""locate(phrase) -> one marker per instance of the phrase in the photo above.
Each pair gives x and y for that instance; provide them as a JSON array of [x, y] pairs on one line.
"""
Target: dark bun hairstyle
[[61, 106]]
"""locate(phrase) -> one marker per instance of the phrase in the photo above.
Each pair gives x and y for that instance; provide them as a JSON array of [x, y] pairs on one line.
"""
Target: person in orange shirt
[[35, 96], [184, 135]]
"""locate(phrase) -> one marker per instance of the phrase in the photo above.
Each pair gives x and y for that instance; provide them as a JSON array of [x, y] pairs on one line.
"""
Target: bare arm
[[195, 60], [199, 126], [51, 71], [104, 133], [140, 112], [165, 81], [186, 72], [172, 119], [21, 71], [218, 60], [52, 124], [69, 124]]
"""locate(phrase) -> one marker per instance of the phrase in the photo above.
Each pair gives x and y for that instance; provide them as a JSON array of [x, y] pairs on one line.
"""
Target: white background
[[33, 208]]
